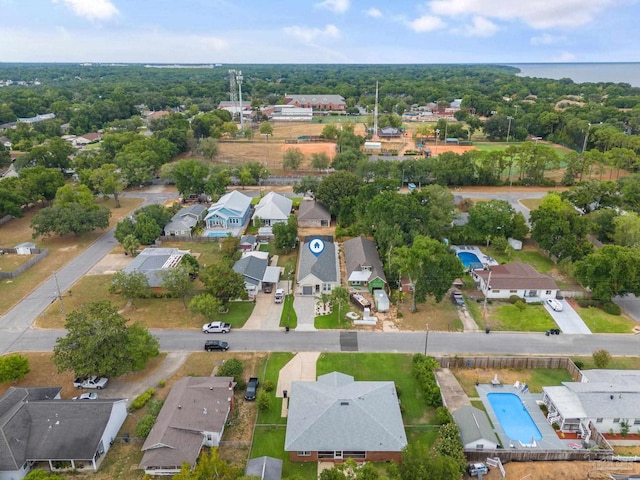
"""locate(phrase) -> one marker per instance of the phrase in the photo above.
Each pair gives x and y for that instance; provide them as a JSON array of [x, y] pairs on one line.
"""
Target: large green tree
[[610, 271], [109, 180], [223, 282], [190, 176], [40, 183], [130, 285], [491, 219], [73, 218], [99, 342], [334, 189], [286, 234], [177, 281]]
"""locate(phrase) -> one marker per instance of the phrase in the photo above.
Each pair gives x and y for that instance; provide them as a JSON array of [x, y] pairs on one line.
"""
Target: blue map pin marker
[[316, 246]]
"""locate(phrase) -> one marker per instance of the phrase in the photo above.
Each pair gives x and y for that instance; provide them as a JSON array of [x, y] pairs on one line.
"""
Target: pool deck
[[486, 260], [550, 440]]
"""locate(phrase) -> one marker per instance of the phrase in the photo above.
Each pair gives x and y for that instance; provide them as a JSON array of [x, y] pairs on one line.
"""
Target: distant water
[[583, 72]]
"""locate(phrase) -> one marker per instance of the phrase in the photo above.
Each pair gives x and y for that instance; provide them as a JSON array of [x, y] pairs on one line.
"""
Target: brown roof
[[194, 405], [516, 276]]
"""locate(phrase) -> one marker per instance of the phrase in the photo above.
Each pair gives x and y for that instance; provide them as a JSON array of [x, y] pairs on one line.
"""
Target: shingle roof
[[515, 276], [232, 204], [316, 99], [323, 266], [194, 405], [474, 425], [273, 206], [361, 252], [251, 268], [311, 210], [153, 261], [337, 413], [265, 468], [185, 218]]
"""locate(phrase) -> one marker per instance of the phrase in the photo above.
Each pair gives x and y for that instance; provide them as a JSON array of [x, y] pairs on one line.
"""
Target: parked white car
[[216, 327], [554, 304], [91, 382], [87, 396]]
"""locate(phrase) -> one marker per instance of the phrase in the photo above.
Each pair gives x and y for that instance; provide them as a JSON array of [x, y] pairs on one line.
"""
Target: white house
[[519, 279], [475, 429], [318, 266], [608, 399], [273, 208]]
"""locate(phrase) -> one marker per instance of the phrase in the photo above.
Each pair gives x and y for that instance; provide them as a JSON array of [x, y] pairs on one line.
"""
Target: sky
[[319, 31]]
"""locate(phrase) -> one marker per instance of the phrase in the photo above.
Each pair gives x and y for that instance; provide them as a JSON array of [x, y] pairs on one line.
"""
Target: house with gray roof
[[193, 416], [273, 208], [153, 262], [335, 418], [475, 429], [608, 399], [37, 426], [364, 267], [231, 213], [264, 468], [254, 268], [318, 266], [312, 214], [184, 220], [516, 278]]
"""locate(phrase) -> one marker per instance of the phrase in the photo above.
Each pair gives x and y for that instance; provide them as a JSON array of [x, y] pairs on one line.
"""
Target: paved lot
[[305, 308], [265, 315], [568, 319]]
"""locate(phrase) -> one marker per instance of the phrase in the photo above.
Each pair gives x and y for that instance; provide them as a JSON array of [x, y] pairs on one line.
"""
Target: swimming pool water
[[468, 258], [514, 417]]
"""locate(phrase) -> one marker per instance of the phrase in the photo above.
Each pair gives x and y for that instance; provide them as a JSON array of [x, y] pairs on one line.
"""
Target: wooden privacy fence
[[28, 264], [500, 362]]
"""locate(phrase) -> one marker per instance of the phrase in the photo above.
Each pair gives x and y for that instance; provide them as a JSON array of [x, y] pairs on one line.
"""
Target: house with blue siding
[[232, 211]]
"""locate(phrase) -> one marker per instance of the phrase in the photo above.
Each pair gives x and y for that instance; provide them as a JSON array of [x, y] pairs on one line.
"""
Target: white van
[[279, 295]]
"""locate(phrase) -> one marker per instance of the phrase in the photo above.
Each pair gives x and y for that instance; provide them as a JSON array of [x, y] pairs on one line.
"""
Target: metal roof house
[[318, 272], [154, 261], [232, 211], [273, 208], [364, 267], [37, 426], [336, 417], [182, 223], [475, 429], [605, 398], [193, 416], [516, 278], [312, 214]]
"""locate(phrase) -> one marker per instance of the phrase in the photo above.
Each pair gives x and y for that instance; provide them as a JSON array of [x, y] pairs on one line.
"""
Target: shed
[[373, 145], [382, 300], [25, 248], [515, 244]]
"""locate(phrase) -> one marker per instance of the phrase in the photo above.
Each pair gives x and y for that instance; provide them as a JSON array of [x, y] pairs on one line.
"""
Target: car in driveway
[[213, 345], [87, 396], [216, 327], [476, 469], [279, 295], [457, 298], [252, 388], [91, 382], [554, 304]]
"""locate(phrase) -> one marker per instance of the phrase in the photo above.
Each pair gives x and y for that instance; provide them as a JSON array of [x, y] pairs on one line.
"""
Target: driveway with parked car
[[567, 318]]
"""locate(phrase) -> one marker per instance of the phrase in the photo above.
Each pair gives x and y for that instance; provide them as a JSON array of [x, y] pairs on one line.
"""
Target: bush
[[611, 308], [587, 302], [555, 426], [13, 368], [513, 299], [162, 383], [443, 416], [154, 407], [232, 368], [141, 400], [579, 364], [520, 305], [268, 386], [601, 358], [264, 401], [144, 426]]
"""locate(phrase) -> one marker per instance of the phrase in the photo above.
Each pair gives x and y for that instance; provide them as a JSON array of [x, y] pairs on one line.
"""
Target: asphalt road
[[439, 343]]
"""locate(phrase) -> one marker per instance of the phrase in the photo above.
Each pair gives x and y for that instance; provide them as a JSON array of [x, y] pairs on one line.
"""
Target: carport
[[568, 319]]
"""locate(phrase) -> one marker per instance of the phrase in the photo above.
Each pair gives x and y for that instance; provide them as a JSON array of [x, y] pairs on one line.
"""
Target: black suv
[[211, 345]]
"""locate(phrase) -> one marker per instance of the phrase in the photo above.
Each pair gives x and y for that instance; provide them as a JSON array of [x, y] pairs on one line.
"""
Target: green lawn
[[206, 252], [544, 377], [600, 321], [238, 314], [534, 318], [269, 441], [531, 203], [616, 363], [378, 367], [533, 257], [273, 365], [289, 318]]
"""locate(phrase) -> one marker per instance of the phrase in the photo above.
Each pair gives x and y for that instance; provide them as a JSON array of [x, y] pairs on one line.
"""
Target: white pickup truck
[[91, 382]]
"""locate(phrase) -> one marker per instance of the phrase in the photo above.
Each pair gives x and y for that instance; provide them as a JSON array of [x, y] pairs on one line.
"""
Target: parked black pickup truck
[[252, 387]]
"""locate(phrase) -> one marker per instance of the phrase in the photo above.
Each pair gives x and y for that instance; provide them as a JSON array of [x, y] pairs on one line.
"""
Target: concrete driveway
[[305, 308], [630, 304], [568, 319], [266, 314]]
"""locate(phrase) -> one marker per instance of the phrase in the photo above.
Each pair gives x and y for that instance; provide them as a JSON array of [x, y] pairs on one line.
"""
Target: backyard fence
[[186, 238], [498, 363], [536, 455], [28, 264]]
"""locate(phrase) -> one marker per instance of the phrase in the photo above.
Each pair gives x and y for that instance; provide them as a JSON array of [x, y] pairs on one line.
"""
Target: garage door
[[307, 290]]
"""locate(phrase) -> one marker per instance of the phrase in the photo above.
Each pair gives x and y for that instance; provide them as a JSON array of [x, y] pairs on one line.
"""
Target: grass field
[[534, 318], [61, 249], [535, 379], [600, 321]]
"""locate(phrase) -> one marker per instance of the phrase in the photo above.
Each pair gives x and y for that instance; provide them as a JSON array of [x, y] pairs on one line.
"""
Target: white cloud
[[539, 14], [426, 23], [564, 57], [91, 9], [309, 34], [374, 12], [337, 6], [546, 39], [481, 27]]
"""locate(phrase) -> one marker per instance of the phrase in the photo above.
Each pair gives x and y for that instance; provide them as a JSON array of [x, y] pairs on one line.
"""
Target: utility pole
[[426, 341], [484, 305], [55, 277]]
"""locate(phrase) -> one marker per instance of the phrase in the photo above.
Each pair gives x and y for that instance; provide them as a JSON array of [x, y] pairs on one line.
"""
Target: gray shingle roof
[[265, 468], [185, 218], [337, 413], [361, 254], [323, 266], [474, 426], [517, 275], [251, 268], [311, 210], [194, 405]]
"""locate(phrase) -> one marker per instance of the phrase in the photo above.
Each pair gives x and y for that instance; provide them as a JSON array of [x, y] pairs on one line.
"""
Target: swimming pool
[[219, 234], [514, 417], [469, 259]]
